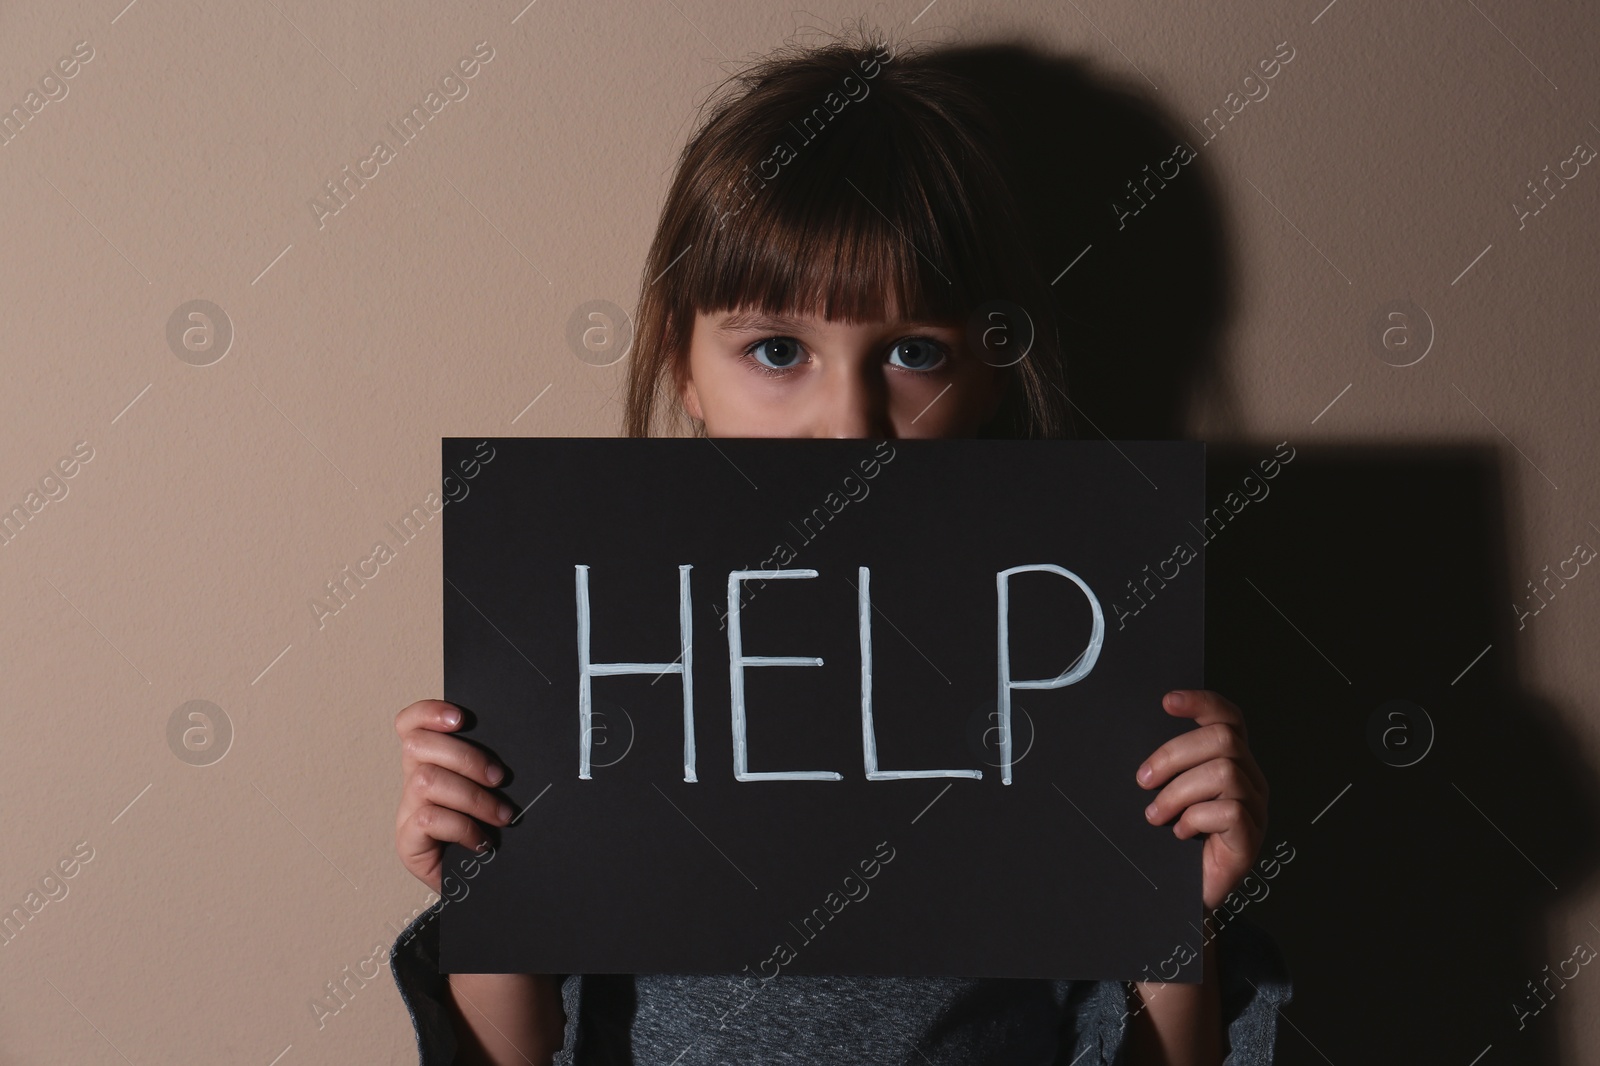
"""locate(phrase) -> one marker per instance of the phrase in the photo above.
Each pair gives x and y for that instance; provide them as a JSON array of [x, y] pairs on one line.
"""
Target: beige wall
[[220, 499]]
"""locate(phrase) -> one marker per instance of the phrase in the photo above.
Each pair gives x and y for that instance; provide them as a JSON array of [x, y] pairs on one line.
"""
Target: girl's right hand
[[445, 787]]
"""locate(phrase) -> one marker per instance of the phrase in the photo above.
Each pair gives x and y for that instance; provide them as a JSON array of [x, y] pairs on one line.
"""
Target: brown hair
[[847, 180]]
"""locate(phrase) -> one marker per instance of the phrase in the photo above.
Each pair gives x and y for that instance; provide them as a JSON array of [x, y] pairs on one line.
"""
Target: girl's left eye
[[920, 353]]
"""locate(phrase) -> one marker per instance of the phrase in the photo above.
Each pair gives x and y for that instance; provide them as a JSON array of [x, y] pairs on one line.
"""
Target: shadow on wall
[[1140, 263], [1414, 913]]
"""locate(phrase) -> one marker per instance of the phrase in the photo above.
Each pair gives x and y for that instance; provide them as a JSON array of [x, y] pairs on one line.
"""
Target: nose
[[854, 402]]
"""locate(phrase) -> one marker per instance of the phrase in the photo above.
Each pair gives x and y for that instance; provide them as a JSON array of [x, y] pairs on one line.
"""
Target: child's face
[[753, 375]]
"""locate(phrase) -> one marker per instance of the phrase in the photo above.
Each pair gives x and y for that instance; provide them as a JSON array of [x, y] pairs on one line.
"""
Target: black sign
[[824, 706]]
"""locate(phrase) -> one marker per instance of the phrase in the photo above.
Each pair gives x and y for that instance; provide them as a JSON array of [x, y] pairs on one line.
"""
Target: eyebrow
[[751, 320], [760, 320]]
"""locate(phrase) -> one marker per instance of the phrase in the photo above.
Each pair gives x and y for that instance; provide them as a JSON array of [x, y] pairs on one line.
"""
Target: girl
[[831, 231]]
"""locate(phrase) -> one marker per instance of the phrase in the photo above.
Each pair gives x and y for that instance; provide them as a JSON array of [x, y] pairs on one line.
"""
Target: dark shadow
[[1140, 264], [607, 1003], [1413, 915]]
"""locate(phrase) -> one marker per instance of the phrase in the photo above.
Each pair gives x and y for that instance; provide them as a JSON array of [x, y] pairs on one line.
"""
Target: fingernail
[[1178, 698], [494, 774], [505, 812], [1150, 812], [1145, 774], [452, 717]]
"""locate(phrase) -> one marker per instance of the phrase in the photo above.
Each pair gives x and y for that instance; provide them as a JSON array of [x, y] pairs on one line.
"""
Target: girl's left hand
[[1216, 788]]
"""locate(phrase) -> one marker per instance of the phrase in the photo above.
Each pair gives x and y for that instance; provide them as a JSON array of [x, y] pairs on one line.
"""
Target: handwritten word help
[[738, 662]]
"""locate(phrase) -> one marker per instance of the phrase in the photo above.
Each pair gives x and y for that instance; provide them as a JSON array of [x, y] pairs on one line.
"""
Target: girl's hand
[[441, 792], [1216, 788]]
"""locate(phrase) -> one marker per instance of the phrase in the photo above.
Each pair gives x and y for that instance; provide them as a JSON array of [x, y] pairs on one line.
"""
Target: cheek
[[926, 408], [735, 402]]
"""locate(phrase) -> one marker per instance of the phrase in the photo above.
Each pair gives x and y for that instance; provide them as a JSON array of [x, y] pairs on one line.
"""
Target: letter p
[[1074, 673]]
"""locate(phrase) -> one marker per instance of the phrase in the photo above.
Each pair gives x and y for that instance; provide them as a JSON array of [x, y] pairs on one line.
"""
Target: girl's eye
[[919, 353], [775, 353]]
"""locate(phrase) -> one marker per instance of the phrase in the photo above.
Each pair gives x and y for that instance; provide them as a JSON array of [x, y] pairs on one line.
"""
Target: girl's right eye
[[776, 353]]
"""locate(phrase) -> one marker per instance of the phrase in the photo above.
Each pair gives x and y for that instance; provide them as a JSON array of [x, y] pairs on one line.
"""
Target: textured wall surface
[[1400, 164]]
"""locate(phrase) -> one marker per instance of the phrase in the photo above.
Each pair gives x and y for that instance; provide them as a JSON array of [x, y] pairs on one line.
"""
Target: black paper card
[[886, 772]]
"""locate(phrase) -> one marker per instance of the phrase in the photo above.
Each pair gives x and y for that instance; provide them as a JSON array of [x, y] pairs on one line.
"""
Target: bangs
[[868, 219]]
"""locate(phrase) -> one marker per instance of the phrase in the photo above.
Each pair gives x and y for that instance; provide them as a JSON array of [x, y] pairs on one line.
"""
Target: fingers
[[1228, 820], [1220, 778], [1232, 838], [428, 714], [1212, 784], [440, 806], [432, 784], [419, 838], [1195, 748], [445, 795], [423, 746], [1220, 734], [1204, 706]]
